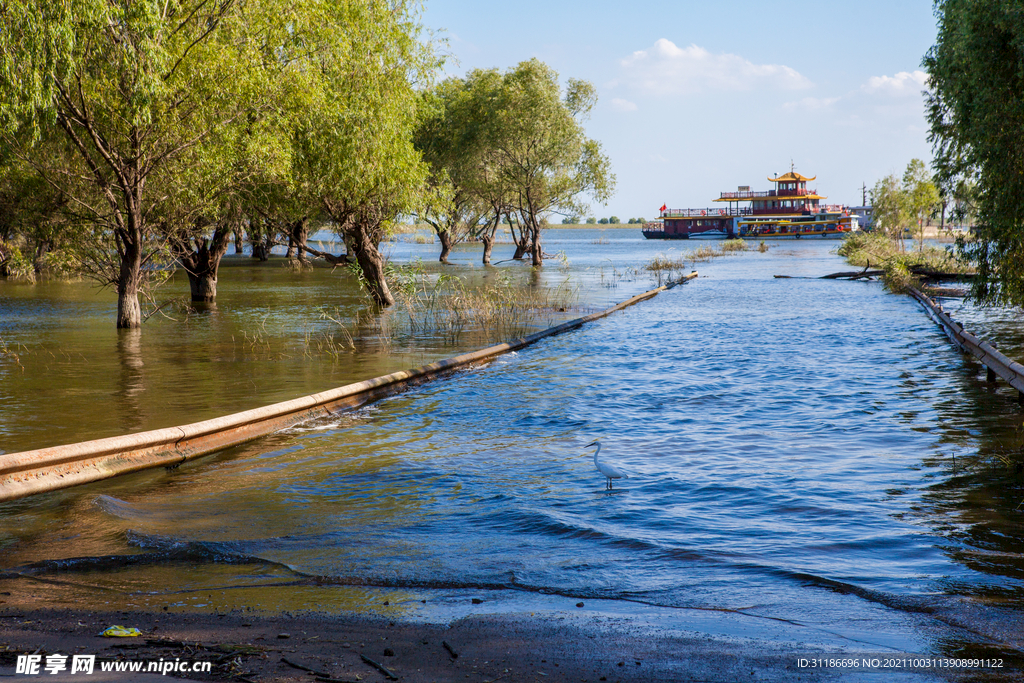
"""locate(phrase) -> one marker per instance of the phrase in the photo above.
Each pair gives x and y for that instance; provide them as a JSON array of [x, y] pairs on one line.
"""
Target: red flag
[[663, 207]]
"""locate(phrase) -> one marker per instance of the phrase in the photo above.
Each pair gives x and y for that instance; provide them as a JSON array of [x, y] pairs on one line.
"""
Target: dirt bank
[[331, 648]]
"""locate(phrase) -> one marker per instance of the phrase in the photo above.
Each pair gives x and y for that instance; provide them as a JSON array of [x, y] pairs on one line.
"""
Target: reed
[[439, 308], [12, 353]]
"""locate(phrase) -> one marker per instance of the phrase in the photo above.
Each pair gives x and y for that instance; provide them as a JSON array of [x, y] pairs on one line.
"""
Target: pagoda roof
[[792, 175]]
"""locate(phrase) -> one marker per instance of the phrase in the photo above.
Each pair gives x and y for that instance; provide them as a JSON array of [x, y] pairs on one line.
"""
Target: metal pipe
[[996, 362]]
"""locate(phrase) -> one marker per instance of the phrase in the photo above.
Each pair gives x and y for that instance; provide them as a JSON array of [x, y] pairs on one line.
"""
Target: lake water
[[811, 462]]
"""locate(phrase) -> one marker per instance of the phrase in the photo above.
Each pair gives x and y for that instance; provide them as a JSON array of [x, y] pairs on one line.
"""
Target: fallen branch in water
[[930, 274], [845, 275], [330, 258]]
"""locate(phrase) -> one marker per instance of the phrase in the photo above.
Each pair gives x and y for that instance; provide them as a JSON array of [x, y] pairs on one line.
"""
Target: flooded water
[[811, 462]]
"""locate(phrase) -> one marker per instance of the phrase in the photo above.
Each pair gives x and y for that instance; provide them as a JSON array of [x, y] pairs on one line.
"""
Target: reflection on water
[[131, 385], [802, 453]]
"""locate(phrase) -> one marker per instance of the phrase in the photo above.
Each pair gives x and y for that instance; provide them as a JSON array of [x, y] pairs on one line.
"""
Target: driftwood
[[303, 667], [850, 275], [928, 273], [949, 292], [845, 275], [380, 667], [330, 258]]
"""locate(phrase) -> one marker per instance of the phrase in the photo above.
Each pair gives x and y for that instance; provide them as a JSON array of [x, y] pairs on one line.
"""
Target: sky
[[698, 98]]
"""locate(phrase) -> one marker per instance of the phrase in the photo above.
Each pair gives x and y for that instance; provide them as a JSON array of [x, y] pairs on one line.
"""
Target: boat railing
[[766, 193], [700, 213]]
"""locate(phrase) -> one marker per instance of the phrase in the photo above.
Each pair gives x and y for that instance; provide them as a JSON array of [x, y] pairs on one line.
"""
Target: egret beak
[[592, 443]]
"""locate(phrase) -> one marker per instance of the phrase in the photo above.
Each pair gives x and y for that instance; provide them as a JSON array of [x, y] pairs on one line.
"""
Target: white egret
[[608, 471]]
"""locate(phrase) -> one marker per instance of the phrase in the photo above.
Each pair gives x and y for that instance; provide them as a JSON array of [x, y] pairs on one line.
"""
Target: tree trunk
[[203, 265], [521, 240], [290, 254], [268, 244], [238, 241], [371, 262], [446, 245], [129, 281], [42, 248], [299, 236], [488, 241], [535, 250], [262, 238]]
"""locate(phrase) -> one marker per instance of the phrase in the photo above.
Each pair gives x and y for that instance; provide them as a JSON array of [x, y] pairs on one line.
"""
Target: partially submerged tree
[[132, 87], [355, 158], [36, 233], [976, 115], [450, 138], [509, 147], [540, 149]]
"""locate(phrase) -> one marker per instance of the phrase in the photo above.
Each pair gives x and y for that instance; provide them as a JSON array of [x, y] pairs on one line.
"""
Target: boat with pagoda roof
[[791, 210]]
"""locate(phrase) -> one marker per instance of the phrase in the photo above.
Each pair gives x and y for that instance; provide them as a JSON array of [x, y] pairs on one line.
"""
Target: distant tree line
[[591, 220], [138, 137]]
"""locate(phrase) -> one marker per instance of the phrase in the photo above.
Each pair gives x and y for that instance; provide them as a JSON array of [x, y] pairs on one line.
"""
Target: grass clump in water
[[440, 308], [737, 244]]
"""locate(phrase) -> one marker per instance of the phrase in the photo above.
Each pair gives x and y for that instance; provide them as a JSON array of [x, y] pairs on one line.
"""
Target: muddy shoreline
[[336, 648]]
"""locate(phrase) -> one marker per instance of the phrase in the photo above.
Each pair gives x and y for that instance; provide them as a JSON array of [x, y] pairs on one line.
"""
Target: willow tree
[[540, 149], [355, 160], [241, 173], [450, 138], [976, 117], [132, 87]]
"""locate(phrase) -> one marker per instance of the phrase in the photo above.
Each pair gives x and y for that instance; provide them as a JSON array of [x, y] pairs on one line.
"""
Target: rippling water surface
[[809, 454]]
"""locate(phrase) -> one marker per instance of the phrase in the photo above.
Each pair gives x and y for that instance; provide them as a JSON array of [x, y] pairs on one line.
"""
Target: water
[[810, 461]]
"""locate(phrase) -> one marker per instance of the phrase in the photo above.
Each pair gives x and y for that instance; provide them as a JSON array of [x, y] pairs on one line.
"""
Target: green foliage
[[879, 250], [907, 203], [613, 220], [591, 220], [603, 221], [922, 196], [976, 115], [115, 104], [540, 151]]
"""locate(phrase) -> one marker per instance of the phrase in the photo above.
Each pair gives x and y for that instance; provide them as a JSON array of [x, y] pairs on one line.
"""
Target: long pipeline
[[997, 363], [58, 467]]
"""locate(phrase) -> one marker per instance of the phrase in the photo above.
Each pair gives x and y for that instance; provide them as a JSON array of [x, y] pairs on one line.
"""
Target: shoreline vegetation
[[902, 268]]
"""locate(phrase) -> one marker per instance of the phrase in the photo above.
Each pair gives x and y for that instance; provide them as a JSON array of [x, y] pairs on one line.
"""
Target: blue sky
[[697, 98]]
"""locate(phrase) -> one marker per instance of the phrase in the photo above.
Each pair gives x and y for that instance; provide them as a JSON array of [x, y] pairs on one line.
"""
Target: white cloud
[[811, 104], [666, 68], [902, 84], [623, 105]]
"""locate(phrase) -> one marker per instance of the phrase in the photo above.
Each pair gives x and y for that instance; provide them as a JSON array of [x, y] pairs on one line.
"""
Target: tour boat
[[788, 211]]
